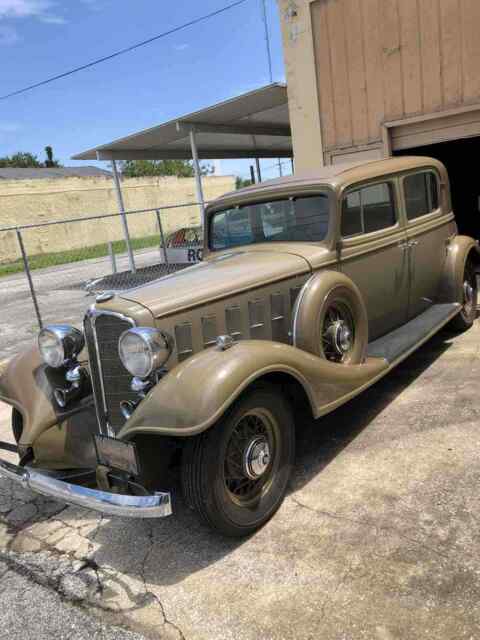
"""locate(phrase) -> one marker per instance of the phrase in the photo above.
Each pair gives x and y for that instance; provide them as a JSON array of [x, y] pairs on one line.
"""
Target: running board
[[402, 341]]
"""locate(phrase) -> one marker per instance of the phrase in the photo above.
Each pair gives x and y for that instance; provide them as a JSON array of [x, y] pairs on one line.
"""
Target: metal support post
[[259, 173], [29, 277], [121, 207], [293, 165], [198, 173], [280, 170], [252, 174], [162, 237], [113, 259]]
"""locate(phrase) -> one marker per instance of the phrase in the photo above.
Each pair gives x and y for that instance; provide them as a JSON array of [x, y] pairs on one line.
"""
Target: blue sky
[[194, 68]]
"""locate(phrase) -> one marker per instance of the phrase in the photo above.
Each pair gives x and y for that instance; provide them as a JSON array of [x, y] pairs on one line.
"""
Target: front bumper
[[157, 505]]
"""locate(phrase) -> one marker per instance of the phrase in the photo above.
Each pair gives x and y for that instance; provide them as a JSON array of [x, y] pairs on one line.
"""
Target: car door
[[427, 233], [374, 252]]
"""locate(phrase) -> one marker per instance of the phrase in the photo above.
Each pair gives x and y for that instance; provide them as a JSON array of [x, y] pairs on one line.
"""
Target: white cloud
[[23, 8], [181, 47], [8, 35], [43, 10]]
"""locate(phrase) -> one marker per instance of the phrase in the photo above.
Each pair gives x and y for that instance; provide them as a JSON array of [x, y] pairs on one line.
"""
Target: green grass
[[42, 260]]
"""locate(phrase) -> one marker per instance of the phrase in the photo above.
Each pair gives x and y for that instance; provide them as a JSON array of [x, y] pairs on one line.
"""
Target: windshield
[[302, 219]]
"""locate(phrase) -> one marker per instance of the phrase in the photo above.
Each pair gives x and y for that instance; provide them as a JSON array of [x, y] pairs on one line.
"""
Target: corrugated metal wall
[[381, 60]]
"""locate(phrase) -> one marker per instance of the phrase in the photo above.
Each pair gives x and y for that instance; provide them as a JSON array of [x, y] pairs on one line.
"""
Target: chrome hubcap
[[256, 458], [338, 336], [250, 456]]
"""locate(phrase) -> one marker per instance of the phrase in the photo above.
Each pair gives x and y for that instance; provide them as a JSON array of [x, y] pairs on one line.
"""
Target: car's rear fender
[[459, 249], [197, 392]]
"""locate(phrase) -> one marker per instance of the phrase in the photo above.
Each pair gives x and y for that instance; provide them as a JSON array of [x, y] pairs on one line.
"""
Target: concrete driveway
[[377, 539]]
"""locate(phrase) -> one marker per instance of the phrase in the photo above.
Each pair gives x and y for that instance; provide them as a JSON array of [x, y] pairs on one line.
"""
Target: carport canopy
[[253, 125]]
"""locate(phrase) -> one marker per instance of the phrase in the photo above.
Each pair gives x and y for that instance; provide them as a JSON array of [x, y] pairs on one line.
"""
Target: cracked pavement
[[377, 539]]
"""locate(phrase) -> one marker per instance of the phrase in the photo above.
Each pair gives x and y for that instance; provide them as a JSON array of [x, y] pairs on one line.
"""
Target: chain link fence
[[50, 272]]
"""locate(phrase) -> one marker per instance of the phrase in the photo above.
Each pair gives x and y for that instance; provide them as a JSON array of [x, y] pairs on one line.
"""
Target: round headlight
[[58, 343], [143, 350]]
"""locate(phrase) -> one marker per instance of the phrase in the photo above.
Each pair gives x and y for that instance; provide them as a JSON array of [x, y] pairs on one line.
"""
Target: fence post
[[113, 259], [162, 237], [29, 277]]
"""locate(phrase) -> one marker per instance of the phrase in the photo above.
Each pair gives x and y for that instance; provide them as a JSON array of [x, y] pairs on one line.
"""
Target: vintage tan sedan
[[311, 289]]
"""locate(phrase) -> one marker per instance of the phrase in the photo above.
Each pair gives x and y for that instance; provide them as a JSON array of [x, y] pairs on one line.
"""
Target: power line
[[126, 50]]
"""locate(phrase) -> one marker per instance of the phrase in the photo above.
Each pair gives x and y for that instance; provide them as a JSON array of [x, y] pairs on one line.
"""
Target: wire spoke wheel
[[235, 474], [338, 332], [250, 456], [469, 290]]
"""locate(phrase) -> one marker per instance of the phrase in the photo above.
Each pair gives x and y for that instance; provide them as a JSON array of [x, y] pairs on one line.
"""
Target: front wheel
[[235, 474], [465, 319]]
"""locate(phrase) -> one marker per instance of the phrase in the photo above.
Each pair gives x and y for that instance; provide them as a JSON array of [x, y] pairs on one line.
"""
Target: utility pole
[[267, 40]]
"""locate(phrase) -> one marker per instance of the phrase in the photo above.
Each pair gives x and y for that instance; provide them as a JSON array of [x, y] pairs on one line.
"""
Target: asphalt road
[[61, 297], [31, 611], [378, 538]]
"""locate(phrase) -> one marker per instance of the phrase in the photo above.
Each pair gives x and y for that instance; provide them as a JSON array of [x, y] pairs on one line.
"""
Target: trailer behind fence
[[57, 266]]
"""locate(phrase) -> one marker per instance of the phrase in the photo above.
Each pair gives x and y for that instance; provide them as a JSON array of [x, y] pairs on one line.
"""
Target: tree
[[180, 168], [50, 162], [27, 160], [21, 159], [242, 182]]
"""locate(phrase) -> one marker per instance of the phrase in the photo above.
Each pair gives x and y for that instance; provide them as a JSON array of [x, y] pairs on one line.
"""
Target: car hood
[[217, 277]]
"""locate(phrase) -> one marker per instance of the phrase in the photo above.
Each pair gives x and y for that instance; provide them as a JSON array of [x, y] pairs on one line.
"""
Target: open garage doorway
[[462, 159]]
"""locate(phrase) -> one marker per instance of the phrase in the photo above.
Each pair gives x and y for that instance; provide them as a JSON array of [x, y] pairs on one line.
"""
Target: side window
[[369, 209], [352, 215], [421, 194], [378, 208]]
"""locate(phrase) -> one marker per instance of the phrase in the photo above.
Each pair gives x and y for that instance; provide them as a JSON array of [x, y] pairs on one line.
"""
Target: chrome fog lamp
[[143, 350], [60, 343]]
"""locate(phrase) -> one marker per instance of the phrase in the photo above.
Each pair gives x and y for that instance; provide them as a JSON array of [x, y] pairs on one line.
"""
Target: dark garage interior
[[461, 158]]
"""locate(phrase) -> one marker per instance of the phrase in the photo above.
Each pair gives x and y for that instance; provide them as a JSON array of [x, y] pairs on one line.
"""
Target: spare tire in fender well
[[319, 291]]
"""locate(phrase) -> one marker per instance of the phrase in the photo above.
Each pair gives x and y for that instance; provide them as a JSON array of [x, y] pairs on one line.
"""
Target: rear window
[[302, 219], [368, 209], [421, 194]]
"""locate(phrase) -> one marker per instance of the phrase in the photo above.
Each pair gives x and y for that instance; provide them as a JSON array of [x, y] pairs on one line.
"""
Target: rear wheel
[[235, 475], [465, 319]]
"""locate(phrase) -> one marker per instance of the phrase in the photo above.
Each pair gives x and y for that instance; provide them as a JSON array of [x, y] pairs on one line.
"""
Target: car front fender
[[197, 392], [25, 386]]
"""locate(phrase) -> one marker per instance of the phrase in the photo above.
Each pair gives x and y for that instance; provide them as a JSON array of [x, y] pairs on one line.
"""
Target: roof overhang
[[253, 125]]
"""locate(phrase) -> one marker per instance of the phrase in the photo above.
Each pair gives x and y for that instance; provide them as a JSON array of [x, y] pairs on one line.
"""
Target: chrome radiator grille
[[110, 379]]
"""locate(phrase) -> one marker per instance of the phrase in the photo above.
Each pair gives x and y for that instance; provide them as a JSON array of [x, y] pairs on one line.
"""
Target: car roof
[[336, 176]]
